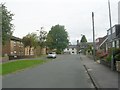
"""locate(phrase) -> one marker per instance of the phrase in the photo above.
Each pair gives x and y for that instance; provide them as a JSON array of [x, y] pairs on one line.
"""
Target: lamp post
[[112, 60], [94, 46]]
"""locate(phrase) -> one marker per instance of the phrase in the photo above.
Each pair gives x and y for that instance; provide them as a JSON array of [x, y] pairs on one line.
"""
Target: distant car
[[51, 55]]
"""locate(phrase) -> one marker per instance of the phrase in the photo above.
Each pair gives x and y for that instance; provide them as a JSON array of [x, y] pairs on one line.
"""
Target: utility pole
[[93, 37], [112, 60]]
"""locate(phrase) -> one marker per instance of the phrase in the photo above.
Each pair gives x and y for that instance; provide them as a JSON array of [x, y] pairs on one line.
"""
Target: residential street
[[60, 44], [66, 71]]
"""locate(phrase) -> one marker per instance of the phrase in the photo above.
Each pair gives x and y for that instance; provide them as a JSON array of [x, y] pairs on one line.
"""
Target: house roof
[[101, 41], [85, 43], [16, 38]]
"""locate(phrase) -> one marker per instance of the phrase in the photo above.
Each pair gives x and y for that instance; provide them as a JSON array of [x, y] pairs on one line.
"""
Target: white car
[[51, 55]]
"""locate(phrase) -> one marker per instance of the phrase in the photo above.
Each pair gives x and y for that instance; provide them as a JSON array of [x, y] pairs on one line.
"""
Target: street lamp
[[93, 37], [112, 60]]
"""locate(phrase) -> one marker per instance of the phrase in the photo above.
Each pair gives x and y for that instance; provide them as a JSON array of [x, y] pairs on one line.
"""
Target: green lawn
[[14, 66]]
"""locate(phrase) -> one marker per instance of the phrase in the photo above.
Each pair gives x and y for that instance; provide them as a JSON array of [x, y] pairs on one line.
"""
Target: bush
[[101, 54], [117, 57], [108, 58], [116, 54], [98, 53], [116, 51], [58, 52]]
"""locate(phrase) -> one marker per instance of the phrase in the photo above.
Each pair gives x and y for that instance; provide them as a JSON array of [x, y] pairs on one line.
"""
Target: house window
[[117, 44], [11, 52], [72, 48], [14, 43], [67, 48], [73, 52], [15, 52], [113, 44]]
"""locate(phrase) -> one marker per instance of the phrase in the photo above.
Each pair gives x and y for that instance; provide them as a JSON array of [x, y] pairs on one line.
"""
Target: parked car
[[51, 55]]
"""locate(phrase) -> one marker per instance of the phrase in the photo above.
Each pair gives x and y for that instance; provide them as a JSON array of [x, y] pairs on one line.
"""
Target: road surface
[[66, 71]]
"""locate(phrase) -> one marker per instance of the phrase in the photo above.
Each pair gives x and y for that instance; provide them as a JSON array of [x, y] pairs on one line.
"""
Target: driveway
[[66, 71]]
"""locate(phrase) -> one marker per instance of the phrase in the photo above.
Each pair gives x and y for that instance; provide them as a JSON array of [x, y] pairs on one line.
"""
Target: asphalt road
[[66, 71]]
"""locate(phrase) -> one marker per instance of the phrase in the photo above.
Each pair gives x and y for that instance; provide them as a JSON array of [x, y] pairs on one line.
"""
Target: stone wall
[[118, 66]]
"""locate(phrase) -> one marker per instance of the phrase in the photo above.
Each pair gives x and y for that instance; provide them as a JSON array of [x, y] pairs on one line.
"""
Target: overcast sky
[[75, 15]]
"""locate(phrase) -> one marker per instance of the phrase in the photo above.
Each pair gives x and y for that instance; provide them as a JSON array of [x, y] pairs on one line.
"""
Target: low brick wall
[[108, 64], [118, 66], [20, 57], [4, 59]]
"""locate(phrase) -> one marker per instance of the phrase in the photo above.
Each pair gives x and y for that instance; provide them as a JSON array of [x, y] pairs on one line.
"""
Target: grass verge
[[14, 66]]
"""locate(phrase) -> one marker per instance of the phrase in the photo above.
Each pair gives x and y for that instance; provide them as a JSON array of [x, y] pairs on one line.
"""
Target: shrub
[[98, 53], [101, 54], [108, 58], [116, 54], [116, 51], [58, 52], [117, 57]]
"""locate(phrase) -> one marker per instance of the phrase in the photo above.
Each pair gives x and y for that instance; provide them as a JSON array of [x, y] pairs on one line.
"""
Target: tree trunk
[[30, 50]]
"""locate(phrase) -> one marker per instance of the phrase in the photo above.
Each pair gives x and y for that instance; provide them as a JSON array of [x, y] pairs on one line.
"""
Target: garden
[[106, 57]]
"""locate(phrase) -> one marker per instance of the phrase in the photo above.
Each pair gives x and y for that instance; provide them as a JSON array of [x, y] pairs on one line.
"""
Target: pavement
[[102, 75], [66, 71]]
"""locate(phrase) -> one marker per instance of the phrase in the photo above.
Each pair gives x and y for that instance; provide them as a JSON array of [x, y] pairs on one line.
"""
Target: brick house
[[101, 43], [13, 47], [29, 51], [35, 51]]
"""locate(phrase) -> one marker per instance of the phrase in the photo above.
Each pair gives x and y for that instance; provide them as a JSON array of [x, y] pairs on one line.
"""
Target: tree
[[83, 39], [57, 38], [7, 26], [42, 39], [84, 44], [30, 40]]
